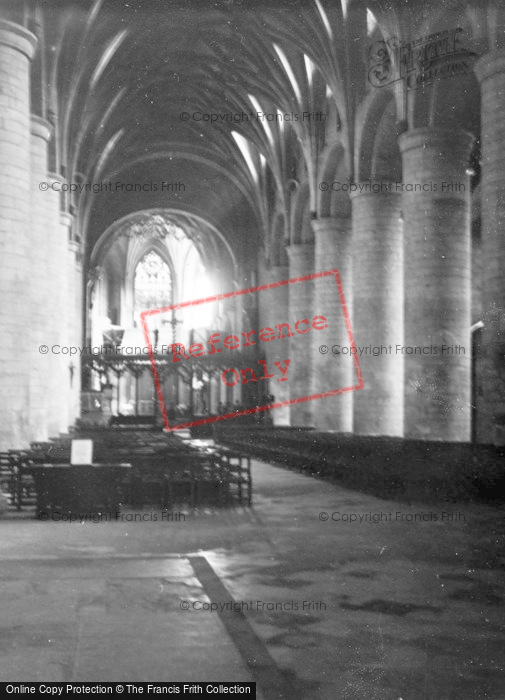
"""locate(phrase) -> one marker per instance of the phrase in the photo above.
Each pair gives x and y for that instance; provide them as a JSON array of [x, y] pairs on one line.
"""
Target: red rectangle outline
[[250, 290]]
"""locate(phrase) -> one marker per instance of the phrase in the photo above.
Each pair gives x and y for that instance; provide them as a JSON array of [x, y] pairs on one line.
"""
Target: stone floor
[[310, 607]]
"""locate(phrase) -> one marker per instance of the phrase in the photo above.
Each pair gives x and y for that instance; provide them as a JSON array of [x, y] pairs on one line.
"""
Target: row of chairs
[[7, 477], [237, 467], [206, 475], [213, 477], [234, 465], [16, 485], [163, 482]]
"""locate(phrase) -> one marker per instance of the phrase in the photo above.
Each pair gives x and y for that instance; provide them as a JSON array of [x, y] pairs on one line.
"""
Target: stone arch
[[183, 218], [300, 229], [377, 151], [278, 255], [333, 168]]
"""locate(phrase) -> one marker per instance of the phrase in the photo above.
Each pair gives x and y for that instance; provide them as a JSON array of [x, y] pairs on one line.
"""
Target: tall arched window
[[153, 283]]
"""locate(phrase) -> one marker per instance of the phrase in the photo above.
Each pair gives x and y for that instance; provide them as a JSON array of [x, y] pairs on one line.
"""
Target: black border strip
[[274, 684]]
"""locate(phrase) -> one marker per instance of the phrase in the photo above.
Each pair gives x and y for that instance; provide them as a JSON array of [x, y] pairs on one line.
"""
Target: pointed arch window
[[153, 283]]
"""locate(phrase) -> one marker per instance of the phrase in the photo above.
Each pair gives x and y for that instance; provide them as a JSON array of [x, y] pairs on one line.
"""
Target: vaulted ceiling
[[151, 91], [134, 85]]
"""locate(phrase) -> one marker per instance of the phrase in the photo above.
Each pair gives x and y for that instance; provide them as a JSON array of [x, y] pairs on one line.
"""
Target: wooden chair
[[7, 478], [149, 483], [212, 486], [182, 482], [25, 494], [236, 469]]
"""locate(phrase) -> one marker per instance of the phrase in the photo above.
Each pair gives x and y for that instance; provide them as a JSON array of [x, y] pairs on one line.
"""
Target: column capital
[[66, 219], [330, 224], [301, 258], [17, 37], [54, 177], [383, 189], [41, 127], [299, 249], [447, 140], [490, 64], [435, 164], [279, 272], [75, 249], [55, 183]]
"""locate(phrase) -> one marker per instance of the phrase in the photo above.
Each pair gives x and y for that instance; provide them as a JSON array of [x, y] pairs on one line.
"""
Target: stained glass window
[[153, 283]]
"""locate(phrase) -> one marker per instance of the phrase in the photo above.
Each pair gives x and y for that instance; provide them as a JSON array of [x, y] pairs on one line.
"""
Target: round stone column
[[273, 309], [378, 311], [57, 330], [214, 393], [80, 316], [74, 321], [490, 70], [331, 371], [301, 369], [40, 282], [17, 350], [437, 352]]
